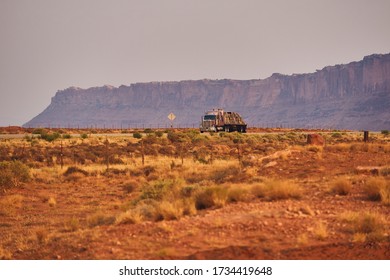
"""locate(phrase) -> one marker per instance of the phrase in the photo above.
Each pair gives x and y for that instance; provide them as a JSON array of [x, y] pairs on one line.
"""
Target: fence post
[[62, 156], [142, 152], [365, 136], [106, 143]]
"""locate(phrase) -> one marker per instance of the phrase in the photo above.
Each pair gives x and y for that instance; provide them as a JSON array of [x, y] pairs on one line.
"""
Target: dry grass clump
[[196, 177], [359, 237], [42, 235], [72, 224], [145, 171], [159, 200], [341, 147], [170, 210], [129, 217], [302, 239], [224, 174], [131, 185], [13, 174], [152, 210], [372, 225], [341, 186], [274, 189], [378, 189], [321, 231], [172, 199], [168, 189], [9, 204], [211, 197], [99, 219], [315, 148], [238, 193]]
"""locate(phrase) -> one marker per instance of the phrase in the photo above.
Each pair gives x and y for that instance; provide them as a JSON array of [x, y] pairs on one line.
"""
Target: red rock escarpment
[[350, 96]]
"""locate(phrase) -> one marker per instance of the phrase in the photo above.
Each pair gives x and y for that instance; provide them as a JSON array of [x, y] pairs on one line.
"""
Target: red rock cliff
[[352, 96]]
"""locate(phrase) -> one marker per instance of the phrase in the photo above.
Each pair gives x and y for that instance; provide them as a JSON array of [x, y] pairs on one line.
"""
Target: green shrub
[[39, 131], [148, 130], [385, 132], [159, 133], [337, 135], [137, 135], [178, 137], [12, 174], [50, 137]]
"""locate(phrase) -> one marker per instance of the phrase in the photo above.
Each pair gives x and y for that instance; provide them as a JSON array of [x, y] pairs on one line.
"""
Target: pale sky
[[49, 45]]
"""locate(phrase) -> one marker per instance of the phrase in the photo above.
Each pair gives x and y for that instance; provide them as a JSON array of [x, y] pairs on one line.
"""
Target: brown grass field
[[184, 195]]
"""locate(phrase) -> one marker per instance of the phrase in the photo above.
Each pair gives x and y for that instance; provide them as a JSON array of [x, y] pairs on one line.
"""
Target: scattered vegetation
[[378, 189], [10, 204], [91, 187], [369, 224], [12, 174], [273, 189]]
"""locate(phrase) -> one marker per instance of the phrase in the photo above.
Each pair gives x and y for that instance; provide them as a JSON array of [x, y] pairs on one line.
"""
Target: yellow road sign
[[171, 116]]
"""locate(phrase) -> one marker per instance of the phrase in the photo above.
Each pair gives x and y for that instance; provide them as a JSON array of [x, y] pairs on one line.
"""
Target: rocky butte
[[350, 96]]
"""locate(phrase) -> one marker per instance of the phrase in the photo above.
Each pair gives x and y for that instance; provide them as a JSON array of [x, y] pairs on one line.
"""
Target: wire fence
[[141, 126]]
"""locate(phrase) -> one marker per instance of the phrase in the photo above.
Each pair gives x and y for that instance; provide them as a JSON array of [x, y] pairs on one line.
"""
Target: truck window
[[209, 117]]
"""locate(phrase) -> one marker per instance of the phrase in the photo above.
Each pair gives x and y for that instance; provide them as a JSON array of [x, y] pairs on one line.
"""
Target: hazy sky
[[48, 45]]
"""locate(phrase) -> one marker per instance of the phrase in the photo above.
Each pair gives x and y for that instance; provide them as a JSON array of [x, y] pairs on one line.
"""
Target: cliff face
[[351, 96]]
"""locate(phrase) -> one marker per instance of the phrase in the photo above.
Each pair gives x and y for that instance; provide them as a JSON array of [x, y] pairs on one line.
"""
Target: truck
[[218, 120]]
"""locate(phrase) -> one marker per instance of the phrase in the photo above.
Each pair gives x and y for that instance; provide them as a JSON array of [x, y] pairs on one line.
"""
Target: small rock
[[307, 210], [270, 164]]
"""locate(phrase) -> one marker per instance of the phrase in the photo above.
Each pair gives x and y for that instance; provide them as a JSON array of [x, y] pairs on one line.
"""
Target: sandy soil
[[254, 229]]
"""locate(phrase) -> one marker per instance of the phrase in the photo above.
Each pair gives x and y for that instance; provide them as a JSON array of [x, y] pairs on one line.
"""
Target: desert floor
[[186, 195]]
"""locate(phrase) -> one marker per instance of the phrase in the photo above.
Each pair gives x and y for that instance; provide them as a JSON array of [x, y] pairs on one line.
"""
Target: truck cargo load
[[219, 120]]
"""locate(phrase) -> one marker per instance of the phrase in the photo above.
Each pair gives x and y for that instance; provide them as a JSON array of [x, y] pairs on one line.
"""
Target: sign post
[[171, 116]]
